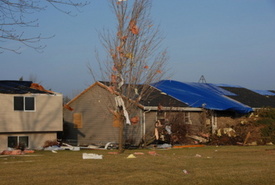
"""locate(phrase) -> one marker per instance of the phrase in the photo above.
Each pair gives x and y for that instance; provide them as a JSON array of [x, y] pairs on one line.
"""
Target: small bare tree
[[14, 14], [134, 59]]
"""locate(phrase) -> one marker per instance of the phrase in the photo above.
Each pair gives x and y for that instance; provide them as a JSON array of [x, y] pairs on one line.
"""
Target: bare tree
[[134, 59], [14, 14]]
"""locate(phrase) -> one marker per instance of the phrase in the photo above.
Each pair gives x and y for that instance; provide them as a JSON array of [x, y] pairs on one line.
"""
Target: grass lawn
[[208, 165]]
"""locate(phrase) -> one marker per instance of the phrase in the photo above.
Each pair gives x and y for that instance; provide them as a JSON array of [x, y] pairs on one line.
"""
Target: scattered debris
[[91, 156], [139, 153], [230, 132], [131, 156], [152, 153], [51, 148], [55, 145], [28, 151], [198, 138], [164, 146], [12, 152], [111, 145], [185, 171], [197, 155]]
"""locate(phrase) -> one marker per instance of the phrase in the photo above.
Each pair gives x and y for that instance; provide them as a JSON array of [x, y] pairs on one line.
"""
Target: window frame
[[18, 140], [25, 104]]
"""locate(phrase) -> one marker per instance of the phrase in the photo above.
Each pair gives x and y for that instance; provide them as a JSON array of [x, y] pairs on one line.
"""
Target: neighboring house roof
[[21, 87], [202, 95], [252, 98]]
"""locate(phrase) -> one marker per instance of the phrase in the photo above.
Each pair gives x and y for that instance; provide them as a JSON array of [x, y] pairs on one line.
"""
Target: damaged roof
[[169, 93], [202, 95], [156, 98], [21, 87], [252, 98]]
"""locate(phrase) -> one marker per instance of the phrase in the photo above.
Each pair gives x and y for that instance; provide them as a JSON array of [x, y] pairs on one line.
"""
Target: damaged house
[[229, 110], [187, 112], [29, 114], [213, 101], [88, 118]]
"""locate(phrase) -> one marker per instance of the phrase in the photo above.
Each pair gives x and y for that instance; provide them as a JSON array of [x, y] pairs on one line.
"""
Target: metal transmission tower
[[202, 79]]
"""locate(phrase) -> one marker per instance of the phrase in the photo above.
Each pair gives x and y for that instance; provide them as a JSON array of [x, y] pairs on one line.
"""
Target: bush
[[267, 120]]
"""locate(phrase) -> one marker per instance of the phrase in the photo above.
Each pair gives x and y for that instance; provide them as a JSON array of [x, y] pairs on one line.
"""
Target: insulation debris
[[131, 156], [91, 156]]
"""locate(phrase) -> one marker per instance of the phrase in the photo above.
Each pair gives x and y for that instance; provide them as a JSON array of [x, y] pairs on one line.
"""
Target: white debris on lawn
[[91, 156]]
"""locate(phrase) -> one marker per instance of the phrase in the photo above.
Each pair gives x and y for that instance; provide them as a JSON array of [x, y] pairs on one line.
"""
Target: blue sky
[[227, 41]]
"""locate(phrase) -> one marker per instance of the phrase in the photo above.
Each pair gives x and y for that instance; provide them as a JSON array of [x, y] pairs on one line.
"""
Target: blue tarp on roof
[[201, 95], [263, 92]]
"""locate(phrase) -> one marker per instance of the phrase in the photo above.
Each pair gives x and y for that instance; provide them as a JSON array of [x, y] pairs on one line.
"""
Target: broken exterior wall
[[150, 119], [183, 124], [186, 126]]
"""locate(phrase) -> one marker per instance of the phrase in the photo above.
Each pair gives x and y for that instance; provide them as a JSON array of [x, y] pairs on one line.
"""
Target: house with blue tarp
[[202, 95], [190, 109], [223, 102]]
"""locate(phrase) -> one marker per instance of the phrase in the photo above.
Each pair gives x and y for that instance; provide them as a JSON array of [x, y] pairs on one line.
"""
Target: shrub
[[267, 120]]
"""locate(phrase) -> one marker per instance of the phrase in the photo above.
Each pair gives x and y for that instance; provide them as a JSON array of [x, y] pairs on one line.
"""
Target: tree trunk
[[121, 137]]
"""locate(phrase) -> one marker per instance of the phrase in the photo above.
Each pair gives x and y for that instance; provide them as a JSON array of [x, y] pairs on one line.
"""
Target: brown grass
[[205, 165]]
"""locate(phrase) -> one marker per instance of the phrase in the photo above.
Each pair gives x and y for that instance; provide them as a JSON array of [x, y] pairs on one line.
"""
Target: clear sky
[[227, 41]]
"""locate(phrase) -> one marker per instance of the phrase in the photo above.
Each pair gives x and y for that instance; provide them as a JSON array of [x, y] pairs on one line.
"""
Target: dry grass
[[215, 166]]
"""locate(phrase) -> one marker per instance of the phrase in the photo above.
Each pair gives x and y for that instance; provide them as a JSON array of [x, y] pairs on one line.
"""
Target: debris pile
[[247, 131]]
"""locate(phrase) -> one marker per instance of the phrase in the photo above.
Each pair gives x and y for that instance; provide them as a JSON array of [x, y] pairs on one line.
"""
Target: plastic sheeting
[[202, 95], [263, 92]]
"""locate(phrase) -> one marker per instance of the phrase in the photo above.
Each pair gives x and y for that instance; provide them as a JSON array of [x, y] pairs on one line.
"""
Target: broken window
[[22, 103]]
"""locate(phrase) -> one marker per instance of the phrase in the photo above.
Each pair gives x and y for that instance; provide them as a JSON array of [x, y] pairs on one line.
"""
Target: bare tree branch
[[134, 58], [14, 14]]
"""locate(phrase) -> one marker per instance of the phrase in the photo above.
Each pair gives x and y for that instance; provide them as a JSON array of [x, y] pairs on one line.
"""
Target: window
[[14, 141], [22, 103]]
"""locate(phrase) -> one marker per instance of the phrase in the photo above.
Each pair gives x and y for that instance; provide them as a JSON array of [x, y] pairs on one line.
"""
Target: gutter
[[155, 108]]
